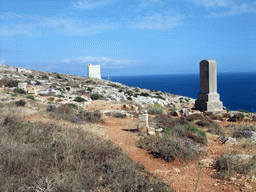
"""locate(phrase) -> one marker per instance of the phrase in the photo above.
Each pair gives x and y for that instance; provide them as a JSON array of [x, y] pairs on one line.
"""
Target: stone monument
[[208, 98], [94, 71]]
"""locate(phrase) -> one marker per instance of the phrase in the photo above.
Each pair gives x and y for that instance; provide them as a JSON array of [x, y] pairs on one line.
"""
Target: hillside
[[70, 133]]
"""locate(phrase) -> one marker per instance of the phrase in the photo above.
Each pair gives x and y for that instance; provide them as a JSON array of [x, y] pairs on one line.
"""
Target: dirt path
[[183, 177]]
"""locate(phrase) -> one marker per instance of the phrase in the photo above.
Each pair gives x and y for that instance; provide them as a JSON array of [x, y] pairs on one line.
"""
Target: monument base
[[209, 105]]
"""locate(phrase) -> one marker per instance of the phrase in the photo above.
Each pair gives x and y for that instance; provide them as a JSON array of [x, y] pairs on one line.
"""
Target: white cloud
[[89, 4], [35, 25], [234, 10], [101, 61], [145, 3], [212, 3], [12, 15], [228, 7], [159, 21]]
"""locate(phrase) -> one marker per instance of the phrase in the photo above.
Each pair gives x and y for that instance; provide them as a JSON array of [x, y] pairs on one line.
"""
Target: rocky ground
[[121, 106]]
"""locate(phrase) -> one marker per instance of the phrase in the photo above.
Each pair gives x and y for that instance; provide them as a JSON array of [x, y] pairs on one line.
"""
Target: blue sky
[[132, 37]]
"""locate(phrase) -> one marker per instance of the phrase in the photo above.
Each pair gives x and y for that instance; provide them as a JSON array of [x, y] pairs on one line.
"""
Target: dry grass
[[169, 148], [37, 156], [232, 164]]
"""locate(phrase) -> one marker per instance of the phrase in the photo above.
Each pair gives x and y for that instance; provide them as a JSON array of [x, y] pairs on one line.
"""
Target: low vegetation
[[169, 148], [37, 156], [229, 165], [156, 108]]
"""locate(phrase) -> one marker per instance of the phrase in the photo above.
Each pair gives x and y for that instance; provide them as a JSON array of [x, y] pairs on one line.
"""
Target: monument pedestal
[[208, 98], [209, 105]]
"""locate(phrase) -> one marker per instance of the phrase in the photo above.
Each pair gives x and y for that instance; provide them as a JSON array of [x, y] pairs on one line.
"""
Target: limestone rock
[[151, 131], [208, 163]]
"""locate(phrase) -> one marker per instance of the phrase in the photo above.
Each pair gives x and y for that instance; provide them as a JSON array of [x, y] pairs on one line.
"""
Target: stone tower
[[208, 98], [94, 71]]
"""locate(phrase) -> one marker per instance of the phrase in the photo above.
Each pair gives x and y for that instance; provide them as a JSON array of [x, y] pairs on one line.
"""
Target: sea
[[237, 90]]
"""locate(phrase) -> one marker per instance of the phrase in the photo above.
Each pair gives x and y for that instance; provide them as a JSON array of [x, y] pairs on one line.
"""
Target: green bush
[[20, 103], [196, 135], [31, 76], [95, 96], [129, 98], [195, 129], [45, 77], [20, 91], [31, 97], [113, 85], [144, 94], [79, 99], [58, 76], [160, 97], [130, 93]]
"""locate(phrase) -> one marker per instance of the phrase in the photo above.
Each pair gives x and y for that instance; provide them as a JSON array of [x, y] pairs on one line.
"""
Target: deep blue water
[[237, 90]]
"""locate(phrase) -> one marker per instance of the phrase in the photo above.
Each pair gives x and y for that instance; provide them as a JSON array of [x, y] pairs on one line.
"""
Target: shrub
[[170, 148], [130, 93], [194, 116], [58, 76], [38, 82], [168, 121], [91, 117], [20, 91], [113, 85], [51, 107], [68, 88], [144, 94], [160, 97], [20, 103], [156, 108], [237, 117], [229, 165], [183, 131], [129, 98], [95, 96], [45, 77], [216, 129], [195, 129], [203, 123], [4, 81], [89, 89], [242, 134], [12, 83], [79, 99], [31, 97], [31, 76]]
